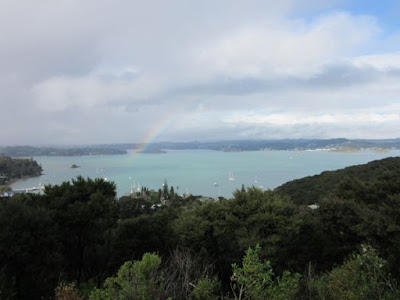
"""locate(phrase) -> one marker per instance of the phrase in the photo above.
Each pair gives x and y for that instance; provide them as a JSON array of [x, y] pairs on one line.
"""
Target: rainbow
[[160, 127], [153, 134]]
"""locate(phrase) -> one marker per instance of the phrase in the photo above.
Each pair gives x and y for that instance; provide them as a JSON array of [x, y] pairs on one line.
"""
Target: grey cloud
[[231, 86], [338, 76], [265, 131], [333, 76], [268, 131]]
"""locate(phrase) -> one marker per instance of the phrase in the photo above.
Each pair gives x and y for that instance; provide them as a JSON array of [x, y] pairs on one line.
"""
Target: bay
[[199, 172]]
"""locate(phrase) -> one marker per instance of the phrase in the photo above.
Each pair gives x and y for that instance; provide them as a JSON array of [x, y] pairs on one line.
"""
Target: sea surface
[[198, 172]]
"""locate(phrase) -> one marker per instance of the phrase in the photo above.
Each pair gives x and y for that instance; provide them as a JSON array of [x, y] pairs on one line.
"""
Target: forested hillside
[[11, 168], [77, 241], [368, 183]]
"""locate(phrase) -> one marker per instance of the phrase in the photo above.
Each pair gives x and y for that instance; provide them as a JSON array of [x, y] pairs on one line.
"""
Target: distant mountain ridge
[[284, 144], [29, 151], [338, 144]]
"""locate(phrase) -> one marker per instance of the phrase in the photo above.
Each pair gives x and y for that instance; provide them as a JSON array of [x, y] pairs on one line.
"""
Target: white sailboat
[[231, 177]]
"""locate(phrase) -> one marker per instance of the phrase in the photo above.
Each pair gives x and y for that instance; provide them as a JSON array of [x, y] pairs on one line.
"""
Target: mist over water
[[199, 172]]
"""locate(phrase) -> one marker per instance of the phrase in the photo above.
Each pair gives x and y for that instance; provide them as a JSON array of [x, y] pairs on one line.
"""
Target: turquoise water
[[197, 171]]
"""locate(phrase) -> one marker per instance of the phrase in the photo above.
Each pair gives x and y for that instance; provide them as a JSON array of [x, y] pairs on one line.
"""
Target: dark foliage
[[78, 232]]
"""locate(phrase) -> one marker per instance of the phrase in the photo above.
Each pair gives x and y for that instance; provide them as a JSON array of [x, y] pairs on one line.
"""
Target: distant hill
[[339, 144], [368, 183], [28, 151]]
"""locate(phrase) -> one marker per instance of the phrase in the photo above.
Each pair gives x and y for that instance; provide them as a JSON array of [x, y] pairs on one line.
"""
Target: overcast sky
[[98, 71]]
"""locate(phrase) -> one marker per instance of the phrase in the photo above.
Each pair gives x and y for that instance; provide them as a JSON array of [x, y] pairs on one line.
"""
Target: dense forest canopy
[[78, 239], [380, 176]]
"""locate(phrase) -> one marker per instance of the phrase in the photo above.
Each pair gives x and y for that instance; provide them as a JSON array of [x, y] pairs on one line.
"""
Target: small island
[[153, 151], [74, 166]]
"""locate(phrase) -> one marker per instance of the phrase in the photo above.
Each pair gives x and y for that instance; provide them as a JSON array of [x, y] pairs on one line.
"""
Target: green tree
[[380, 227], [206, 288], [339, 221], [129, 207], [255, 279], [206, 230], [363, 276], [265, 218], [135, 236], [139, 280], [4, 188], [30, 258], [84, 213]]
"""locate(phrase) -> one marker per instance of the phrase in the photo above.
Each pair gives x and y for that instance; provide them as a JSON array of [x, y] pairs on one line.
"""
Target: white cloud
[[119, 87], [382, 62], [284, 119], [295, 48]]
